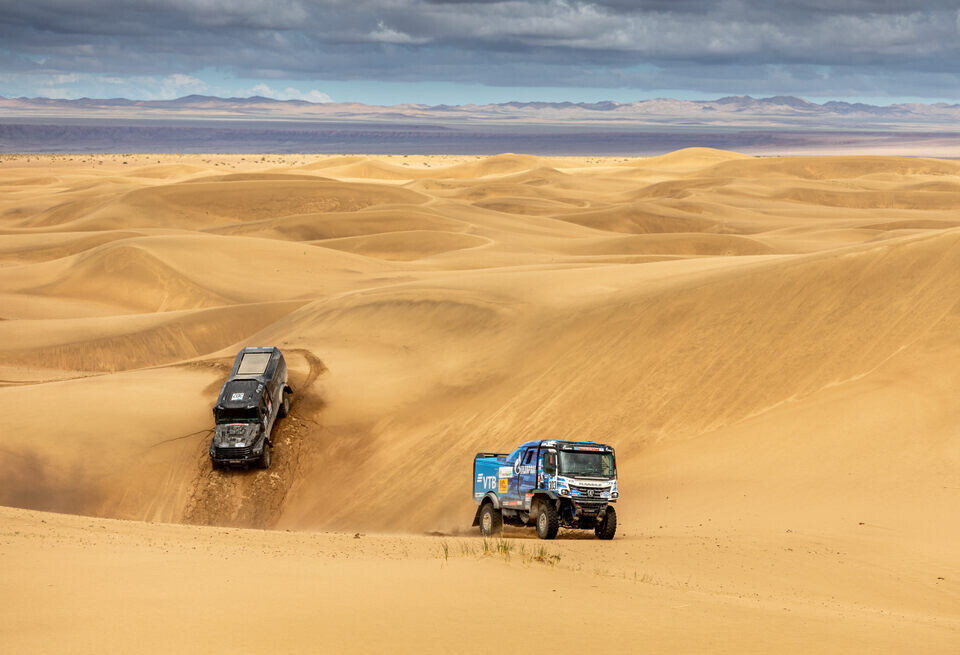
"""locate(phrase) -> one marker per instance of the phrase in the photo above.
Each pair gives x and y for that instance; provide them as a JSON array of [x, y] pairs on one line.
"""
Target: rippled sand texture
[[771, 344]]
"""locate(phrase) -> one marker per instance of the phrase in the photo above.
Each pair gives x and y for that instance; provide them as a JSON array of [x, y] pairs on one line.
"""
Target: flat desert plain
[[771, 344]]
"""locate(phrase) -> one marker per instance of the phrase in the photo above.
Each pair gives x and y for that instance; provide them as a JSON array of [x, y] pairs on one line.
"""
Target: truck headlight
[[614, 494], [564, 492]]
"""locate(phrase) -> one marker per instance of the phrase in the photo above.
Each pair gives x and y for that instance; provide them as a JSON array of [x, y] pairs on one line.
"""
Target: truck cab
[[254, 396], [548, 484]]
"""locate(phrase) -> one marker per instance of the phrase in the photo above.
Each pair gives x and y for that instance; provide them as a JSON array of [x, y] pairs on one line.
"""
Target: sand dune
[[770, 343], [834, 168], [334, 225], [639, 218], [925, 199], [407, 245], [373, 170], [27, 247], [166, 171], [496, 165], [131, 341], [193, 204], [331, 162], [690, 159], [674, 244]]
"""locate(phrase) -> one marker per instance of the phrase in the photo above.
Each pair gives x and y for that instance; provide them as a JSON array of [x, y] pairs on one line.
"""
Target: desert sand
[[771, 344]]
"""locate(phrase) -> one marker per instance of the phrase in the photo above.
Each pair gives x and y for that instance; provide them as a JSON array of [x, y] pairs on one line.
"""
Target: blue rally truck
[[547, 484]]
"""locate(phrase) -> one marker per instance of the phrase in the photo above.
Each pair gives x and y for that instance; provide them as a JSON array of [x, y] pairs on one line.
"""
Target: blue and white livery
[[547, 484]]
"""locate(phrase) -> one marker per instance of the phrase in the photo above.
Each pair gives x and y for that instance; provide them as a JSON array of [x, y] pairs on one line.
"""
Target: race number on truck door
[[548, 468]]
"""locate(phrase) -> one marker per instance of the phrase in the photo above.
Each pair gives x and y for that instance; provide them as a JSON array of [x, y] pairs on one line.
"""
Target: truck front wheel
[[491, 521], [607, 526], [548, 521], [284, 404]]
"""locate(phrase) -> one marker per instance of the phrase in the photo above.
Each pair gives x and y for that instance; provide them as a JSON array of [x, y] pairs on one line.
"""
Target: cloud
[[384, 34], [289, 93], [77, 85], [179, 85], [879, 46]]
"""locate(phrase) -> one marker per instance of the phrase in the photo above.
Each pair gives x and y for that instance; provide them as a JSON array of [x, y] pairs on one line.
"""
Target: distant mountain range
[[737, 111], [777, 125]]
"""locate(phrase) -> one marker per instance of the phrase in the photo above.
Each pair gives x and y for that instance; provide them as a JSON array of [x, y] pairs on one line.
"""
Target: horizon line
[[298, 101]]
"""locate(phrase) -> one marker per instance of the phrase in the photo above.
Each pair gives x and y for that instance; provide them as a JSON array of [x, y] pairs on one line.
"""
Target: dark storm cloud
[[803, 46]]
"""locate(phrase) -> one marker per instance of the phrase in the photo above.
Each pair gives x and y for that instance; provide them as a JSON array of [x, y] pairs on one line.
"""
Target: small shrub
[[540, 554]]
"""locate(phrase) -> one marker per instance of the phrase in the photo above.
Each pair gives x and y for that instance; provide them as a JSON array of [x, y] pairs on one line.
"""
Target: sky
[[474, 52]]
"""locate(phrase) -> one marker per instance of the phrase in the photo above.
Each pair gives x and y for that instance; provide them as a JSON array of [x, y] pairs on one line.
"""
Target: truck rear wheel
[[548, 521], [607, 526], [491, 521], [265, 455]]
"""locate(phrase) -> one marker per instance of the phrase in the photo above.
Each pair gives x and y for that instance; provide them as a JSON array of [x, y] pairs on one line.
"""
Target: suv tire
[[548, 521], [264, 462], [284, 405]]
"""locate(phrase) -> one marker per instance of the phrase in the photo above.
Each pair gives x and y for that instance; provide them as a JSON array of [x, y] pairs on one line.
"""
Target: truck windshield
[[237, 415], [596, 465]]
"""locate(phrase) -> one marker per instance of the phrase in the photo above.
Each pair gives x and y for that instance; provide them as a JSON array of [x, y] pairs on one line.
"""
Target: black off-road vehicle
[[250, 401]]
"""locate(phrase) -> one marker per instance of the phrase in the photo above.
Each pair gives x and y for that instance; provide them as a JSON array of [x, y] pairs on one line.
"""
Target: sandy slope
[[769, 343], [93, 585]]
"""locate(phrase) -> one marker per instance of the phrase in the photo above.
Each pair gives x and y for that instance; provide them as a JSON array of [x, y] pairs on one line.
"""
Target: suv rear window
[[253, 363]]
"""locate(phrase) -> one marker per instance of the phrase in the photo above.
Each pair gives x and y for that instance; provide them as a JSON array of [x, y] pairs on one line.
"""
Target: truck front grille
[[233, 452], [588, 494]]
